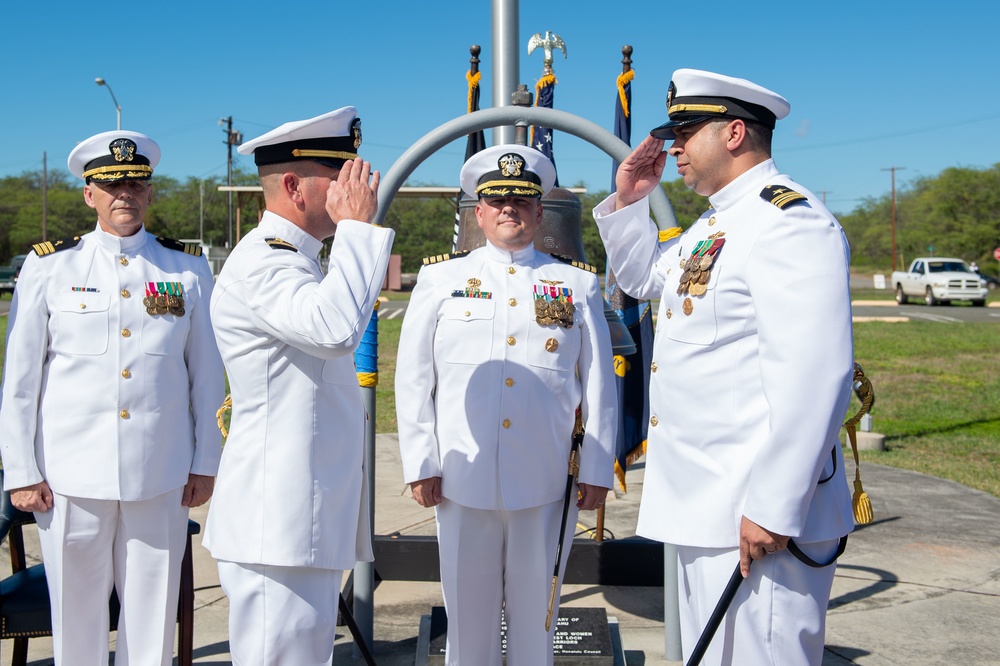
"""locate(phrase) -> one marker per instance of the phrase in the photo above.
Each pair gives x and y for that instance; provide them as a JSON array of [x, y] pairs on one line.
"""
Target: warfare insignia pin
[[123, 150]]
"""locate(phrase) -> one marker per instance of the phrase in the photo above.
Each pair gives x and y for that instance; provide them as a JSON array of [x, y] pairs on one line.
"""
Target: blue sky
[[872, 85]]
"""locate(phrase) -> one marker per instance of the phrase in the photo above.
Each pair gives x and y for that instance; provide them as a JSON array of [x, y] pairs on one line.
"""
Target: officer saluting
[[291, 510], [111, 383], [499, 348], [752, 370]]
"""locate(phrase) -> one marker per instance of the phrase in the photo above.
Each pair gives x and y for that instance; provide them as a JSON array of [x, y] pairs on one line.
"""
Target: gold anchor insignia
[[123, 149], [510, 165], [356, 131], [473, 283]]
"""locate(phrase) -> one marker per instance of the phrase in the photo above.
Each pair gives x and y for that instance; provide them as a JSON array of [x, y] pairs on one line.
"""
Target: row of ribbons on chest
[[164, 297], [553, 304]]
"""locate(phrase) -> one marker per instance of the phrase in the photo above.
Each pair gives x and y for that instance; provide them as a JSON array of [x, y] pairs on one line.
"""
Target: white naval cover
[[751, 388], [292, 489], [81, 349], [466, 365]]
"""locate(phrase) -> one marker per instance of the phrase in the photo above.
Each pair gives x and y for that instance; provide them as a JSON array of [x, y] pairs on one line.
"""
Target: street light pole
[[101, 82], [893, 171]]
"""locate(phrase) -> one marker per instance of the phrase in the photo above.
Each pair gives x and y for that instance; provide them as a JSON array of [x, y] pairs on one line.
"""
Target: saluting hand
[[640, 172], [352, 196], [32, 498]]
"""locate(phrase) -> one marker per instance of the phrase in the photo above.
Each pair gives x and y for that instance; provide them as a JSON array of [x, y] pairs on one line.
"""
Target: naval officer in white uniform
[[290, 512], [111, 383], [498, 350], [751, 373]]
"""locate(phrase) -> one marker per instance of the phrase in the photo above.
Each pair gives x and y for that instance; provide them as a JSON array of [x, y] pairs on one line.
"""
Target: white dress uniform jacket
[[486, 397], [291, 489], [752, 379], [101, 399]]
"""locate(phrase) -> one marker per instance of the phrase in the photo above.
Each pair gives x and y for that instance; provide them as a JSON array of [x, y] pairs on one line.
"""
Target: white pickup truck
[[939, 280]]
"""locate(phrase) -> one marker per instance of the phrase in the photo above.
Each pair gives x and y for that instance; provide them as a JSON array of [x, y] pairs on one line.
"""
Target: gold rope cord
[[860, 503], [227, 405]]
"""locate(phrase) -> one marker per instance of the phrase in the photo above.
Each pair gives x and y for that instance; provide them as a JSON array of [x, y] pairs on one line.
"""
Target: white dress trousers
[[778, 617], [306, 600], [479, 582], [90, 545]]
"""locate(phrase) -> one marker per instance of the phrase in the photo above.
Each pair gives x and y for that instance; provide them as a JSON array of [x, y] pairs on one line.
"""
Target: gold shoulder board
[[278, 244], [46, 248], [780, 196], [438, 258], [186, 248], [582, 265]]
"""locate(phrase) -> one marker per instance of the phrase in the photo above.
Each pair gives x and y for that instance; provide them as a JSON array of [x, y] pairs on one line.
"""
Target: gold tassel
[[860, 503], [623, 78], [227, 405], [473, 80]]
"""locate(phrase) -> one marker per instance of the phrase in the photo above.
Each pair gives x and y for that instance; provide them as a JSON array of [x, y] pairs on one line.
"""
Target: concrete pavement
[[919, 586]]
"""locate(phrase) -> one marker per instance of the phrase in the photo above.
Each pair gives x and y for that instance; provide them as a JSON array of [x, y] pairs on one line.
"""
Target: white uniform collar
[[272, 224], [523, 256], [121, 244], [744, 184]]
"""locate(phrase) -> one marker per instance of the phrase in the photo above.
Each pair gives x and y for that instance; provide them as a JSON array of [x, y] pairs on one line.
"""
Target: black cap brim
[[666, 130]]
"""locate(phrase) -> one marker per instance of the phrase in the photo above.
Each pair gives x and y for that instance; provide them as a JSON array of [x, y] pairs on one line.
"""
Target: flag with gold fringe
[[632, 371], [477, 140]]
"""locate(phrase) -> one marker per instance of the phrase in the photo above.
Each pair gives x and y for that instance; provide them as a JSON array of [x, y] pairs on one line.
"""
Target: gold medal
[[688, 306], [551, 345], [697, 289], [704, 277], [706, 262]]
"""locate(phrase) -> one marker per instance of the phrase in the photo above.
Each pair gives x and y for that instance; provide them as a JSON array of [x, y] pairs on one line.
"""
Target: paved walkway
[[919, 586]]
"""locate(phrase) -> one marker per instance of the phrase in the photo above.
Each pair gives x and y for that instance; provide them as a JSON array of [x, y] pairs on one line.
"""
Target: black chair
[[24, 596]]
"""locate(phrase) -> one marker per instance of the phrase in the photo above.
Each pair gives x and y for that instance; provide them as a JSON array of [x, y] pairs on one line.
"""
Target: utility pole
[[824, 193], [232, 139], [45, 196], [893, 171]]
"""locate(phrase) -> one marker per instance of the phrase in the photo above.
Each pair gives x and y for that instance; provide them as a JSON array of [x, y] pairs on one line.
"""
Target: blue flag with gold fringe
[[541, 137], [632, 371]]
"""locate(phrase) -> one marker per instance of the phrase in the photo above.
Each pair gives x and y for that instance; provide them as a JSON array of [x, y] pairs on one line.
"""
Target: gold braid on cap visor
[[698, 108], [336, 154], [520, 187], [117, 172]]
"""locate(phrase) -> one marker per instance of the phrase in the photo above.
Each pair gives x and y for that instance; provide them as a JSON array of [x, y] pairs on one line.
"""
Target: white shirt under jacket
[[486, 396], [101, 399], [292, 489], [748, 392]]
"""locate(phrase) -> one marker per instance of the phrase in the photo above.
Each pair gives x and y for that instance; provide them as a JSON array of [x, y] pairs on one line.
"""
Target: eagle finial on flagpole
[[549, 42]]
